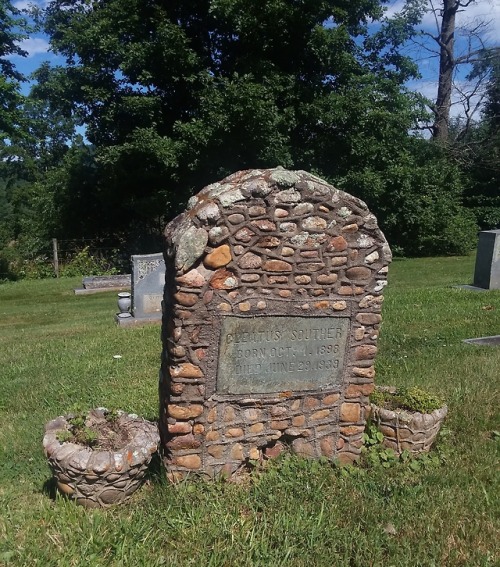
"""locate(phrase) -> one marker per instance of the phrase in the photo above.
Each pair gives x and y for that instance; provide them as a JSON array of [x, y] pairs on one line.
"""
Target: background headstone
[[273, 294], [148, 280], [487, 269]]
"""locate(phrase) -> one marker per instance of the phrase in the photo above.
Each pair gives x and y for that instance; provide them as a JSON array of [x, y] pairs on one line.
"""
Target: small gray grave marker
[[487, 269]]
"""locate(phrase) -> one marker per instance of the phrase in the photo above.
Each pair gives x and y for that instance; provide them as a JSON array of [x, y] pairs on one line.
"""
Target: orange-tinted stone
[[185, 370], [184, 412], [350, 412], [188, 461], [218, 257], [179, 427], [223, 279]]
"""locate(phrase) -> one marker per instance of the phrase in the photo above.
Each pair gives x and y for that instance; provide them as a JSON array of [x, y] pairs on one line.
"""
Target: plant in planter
[[99, 458], [408, 418]]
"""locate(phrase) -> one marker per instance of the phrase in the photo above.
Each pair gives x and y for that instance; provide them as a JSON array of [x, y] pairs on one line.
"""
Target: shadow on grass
[[49, 488]]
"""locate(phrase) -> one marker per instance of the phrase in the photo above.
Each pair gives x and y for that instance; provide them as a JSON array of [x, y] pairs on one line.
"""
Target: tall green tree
[[175, 95]]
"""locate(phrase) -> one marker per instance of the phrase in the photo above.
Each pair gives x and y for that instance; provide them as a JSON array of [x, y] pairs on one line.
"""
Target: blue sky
[[480, 11]]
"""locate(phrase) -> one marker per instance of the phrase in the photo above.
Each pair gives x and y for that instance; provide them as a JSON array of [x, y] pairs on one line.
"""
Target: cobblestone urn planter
[[410, 430], [96, 477]]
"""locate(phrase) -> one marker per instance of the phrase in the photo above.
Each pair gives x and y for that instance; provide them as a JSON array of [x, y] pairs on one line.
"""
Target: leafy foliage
[[410, 399]]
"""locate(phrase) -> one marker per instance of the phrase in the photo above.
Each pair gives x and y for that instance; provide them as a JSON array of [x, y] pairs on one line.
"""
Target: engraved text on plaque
[[274, 354]]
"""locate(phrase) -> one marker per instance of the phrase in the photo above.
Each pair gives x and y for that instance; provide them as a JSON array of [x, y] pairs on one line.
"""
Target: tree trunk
[[446, 42]]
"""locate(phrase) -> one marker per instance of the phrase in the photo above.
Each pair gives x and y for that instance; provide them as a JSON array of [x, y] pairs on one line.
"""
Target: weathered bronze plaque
[[274, 354]]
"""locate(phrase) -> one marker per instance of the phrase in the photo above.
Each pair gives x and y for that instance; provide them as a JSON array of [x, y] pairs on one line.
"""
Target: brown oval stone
[[338, 243], [314, 223], [326, 279], [277, 280], [186, 370], [244, 306], [234, 432], [277, 266], [179, 427], [212, 436], [280, 213], [250, 278], [184, 412], [256, 428], [286, 251], [284, 293], [188, 461], [365, 351], [321, 414], [186, 299], [302, 280], [256, 211], [368, 318], [350, 228], [358, 273], [236, 218], [350, 290], [250, 261], [338, 261], [218, 257], [364, 372], [339, 305]]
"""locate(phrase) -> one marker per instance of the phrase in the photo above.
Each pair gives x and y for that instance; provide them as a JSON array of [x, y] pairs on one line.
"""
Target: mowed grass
[[57, 349]]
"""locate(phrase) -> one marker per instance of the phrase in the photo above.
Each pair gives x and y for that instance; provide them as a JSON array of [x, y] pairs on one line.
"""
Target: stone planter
[[97, 477], [410, 430]]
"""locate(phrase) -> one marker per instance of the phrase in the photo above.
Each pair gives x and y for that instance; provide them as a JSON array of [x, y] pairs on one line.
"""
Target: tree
[[442, 44], [481, 147], [176, 94], [12, 30]]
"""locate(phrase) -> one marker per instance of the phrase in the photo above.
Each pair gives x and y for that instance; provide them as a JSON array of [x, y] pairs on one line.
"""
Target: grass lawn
[[57, 349]]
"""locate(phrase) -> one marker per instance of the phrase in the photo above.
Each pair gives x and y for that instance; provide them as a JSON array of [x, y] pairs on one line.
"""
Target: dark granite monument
[[487, 269]]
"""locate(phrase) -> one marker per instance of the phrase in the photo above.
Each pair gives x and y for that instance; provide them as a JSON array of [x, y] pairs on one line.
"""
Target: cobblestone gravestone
[[487, 268], [274, 283]]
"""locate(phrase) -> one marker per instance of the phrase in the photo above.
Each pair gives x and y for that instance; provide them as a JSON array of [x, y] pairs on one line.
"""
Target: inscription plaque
[[151, 302], [274, 354]]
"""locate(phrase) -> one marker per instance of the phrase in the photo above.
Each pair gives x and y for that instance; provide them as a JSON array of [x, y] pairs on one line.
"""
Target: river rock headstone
[[487, 268], [274, 287]]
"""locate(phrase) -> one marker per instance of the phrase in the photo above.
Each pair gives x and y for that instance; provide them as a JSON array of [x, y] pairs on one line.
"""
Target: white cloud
[[34, 45]]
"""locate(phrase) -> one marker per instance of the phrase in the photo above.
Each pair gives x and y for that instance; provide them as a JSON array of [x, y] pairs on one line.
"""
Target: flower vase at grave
[[124, 304]]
